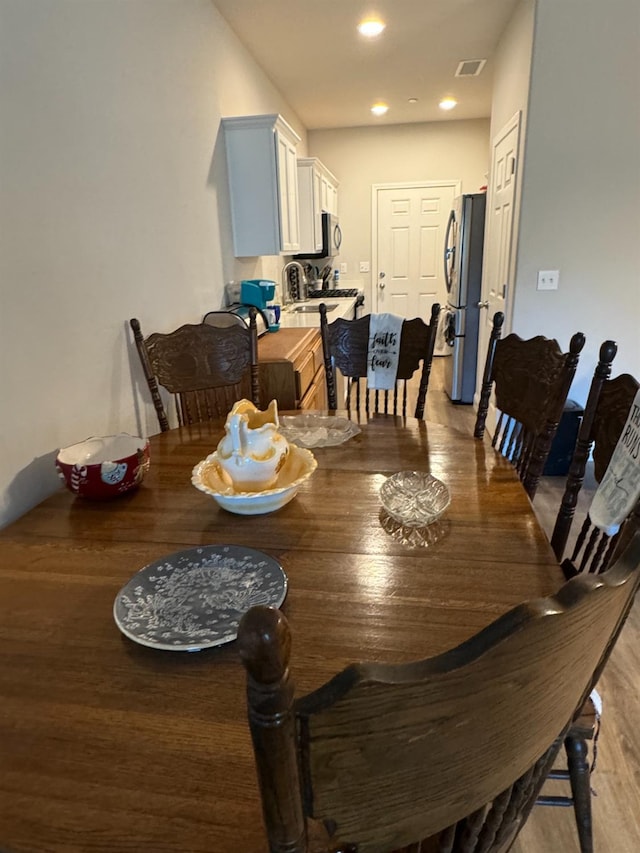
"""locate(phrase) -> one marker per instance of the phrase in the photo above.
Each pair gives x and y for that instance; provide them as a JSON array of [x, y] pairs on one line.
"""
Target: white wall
[[581, 192], [510, 96], [512, 69], [114, 204], [361, 157]]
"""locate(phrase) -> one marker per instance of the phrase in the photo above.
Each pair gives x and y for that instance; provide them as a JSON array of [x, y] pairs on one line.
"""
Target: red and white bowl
[[104, 467]]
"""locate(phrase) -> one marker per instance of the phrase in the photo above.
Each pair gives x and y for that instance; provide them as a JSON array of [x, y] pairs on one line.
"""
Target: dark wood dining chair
[[531, 379], [452, 749], [583, 730], [205, 367], [345, 345], [605, 414]]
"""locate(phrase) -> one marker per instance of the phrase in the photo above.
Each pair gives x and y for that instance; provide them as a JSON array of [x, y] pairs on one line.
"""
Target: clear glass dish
[[414, 498], [194, 599], [316, 430], [415, 537]]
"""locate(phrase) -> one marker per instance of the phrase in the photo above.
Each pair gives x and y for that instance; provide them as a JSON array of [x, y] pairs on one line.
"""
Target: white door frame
[[515, 122], [396, 185]]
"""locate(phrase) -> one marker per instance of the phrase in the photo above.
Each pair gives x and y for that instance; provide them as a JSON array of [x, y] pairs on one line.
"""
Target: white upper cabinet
[[263, 185], [318, 192], [328, 191]]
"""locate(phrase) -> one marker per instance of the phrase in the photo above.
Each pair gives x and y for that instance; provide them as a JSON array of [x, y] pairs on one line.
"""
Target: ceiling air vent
[[470, 67]]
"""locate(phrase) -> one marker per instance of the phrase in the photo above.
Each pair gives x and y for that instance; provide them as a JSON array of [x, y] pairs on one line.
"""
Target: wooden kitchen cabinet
[[316, 397], [317, 192], [263, 185], [292, 369]]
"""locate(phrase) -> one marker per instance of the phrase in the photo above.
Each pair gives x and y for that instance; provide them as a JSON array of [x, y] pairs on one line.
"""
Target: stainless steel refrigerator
[[464, 242]]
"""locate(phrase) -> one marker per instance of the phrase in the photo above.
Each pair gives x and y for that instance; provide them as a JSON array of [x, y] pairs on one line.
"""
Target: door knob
[[483, 304], [381, 285]]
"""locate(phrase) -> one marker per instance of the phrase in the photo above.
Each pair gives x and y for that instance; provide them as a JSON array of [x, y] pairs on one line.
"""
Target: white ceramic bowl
[[209, 477]]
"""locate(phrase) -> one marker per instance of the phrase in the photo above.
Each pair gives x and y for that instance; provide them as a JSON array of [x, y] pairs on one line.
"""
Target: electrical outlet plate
[[364, 266], [548, 279], [343, 269]]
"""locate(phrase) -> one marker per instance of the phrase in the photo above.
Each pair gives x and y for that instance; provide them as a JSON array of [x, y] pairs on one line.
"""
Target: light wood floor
[[616, 780]]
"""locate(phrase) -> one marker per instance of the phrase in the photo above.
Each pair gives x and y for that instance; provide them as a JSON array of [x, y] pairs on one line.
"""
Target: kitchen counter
[[290, 319]]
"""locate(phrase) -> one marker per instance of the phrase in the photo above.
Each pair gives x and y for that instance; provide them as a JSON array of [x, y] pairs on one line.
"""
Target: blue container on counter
[[257, 292]]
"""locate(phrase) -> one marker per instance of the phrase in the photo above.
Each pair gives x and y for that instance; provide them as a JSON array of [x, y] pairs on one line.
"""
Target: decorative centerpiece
[[254, 469], [252, 451]]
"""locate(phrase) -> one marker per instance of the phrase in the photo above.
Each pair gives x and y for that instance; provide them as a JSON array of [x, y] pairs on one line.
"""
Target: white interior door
[[408, 245], [499, 257]]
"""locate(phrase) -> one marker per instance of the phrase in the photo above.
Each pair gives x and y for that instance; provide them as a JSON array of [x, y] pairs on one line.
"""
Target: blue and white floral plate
[[194, 599]]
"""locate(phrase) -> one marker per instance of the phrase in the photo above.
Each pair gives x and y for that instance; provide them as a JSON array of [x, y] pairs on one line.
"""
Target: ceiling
[[330, 75]]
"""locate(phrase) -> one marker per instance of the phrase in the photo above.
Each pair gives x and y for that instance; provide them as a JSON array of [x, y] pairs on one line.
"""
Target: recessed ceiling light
[[448, 103], [379, 109], [371, 28], [413, 100]]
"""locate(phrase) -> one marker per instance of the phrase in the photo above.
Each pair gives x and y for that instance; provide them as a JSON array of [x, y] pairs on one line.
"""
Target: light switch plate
[[548, 279], [364, 266]]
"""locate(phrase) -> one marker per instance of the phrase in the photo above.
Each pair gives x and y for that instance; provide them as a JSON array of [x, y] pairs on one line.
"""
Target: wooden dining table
[[109, 745]]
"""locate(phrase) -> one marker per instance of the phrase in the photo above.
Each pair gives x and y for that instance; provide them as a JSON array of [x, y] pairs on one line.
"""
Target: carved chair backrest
[[345, 345], [205, 367], [605, 414], [531, 380], [456, 746]]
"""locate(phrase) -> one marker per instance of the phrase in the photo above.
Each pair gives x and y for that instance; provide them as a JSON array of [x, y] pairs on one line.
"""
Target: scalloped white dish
[[208, 477], [414, 498], [316, 430]]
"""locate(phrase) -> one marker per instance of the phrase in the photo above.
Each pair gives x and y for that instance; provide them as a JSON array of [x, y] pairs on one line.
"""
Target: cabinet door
[[309, 210], [288, 195], [329, 195], [317, 210], [324, 193], [263, 184], [316, 396], [305, 371], [317, 192], [332, 199]]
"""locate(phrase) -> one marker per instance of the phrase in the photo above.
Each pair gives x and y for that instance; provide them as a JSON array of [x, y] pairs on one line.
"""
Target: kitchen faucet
[[287, 298]]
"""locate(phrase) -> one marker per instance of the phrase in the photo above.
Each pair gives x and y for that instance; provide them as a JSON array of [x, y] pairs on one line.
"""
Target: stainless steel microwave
[[331, 239]]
